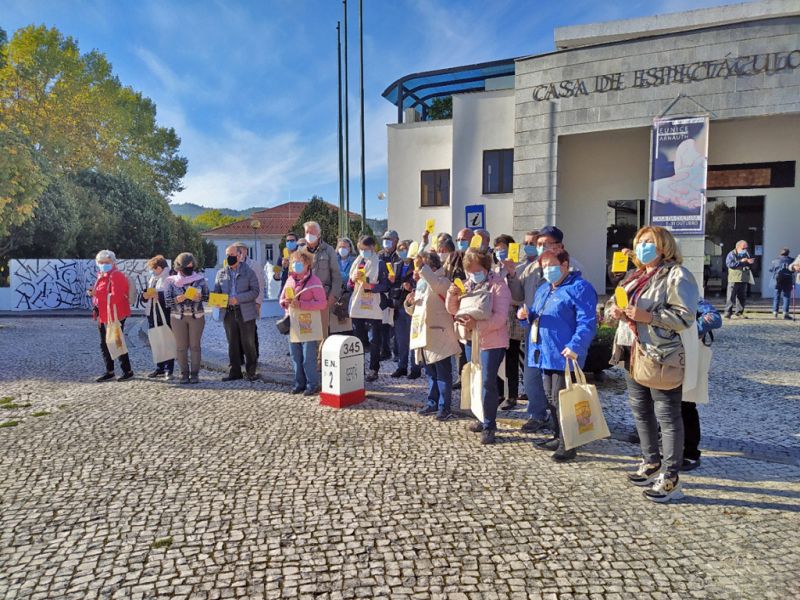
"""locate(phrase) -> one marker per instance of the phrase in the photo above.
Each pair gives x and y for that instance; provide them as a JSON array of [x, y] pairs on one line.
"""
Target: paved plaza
[[146, 489]]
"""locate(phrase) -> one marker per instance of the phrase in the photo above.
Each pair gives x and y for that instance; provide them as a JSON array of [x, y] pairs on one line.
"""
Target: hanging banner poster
[[678, 167]]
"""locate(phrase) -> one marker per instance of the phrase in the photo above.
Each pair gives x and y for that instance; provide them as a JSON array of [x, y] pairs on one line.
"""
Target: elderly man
[[740, 264], [326, 267], [388, 254], [244, 258], [240, 283], [486, 239], [552, 238]]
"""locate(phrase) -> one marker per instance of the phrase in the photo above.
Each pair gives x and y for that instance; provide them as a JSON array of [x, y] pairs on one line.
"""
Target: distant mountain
[[190, 210], [378, 226]]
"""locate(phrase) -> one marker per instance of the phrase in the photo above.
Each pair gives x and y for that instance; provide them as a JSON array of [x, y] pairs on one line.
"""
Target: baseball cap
[[390, 234], [553, 232]]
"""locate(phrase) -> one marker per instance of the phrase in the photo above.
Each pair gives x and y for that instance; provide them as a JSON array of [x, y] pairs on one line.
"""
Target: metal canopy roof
[[419, 89]]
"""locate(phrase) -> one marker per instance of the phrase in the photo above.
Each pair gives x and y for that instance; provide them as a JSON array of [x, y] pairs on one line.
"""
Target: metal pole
[[342, 213], [346, 131], [361, 60]]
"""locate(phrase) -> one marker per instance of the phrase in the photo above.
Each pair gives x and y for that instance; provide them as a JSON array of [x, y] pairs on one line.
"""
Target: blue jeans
[[534, 389], [304, 357], [490, 364], [440, 384], [402, 334], [786, 294]]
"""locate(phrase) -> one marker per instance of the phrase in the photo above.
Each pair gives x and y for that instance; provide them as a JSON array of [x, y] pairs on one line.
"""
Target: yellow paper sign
[[289, 293], [285, 253], [513, 252], [151, 291], [619, 264], [621, 297], [430, 225], [460, 285], [276, 269], [192, 293], [476, 242], [218, 300], [413, 250], [390, 268]]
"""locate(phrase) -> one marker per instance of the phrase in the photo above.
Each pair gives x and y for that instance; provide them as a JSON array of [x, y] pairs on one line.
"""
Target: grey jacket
[[247, 289], [671, 297], [326, 267], [526, 279]]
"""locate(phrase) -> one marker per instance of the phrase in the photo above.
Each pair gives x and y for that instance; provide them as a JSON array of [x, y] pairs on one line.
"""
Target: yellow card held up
[[390, 268], [285, 253], [192, 293], [476, 241], [460, 285], [621, 297], [513, 252], [619, 263], [288, 292], [218, 300], [430, 225], [413, 250]]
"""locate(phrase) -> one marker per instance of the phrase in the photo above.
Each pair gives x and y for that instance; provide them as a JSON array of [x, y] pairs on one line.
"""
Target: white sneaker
[[665, 489]]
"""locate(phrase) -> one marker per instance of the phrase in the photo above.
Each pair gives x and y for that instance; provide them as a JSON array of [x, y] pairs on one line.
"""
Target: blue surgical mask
[[530, 251], [291, 245], [743, 253], [646, 252], [462, 245], [298, 266], [552, 274], [387, 244], [343, 251], [105, 267], [421, 285], [478, 277], [403, 254], [501, 254], [367, 254]]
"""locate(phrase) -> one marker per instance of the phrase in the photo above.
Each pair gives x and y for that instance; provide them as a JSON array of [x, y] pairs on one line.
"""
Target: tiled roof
[[277, 220]]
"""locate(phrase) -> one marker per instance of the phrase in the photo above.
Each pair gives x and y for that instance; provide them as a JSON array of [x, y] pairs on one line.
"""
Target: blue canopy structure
[[420, 89]]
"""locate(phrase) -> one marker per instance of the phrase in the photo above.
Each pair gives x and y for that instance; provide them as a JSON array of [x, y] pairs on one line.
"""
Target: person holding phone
[[740, 274]]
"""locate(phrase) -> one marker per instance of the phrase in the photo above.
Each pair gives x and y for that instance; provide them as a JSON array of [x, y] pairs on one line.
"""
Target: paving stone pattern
[[146, 489]]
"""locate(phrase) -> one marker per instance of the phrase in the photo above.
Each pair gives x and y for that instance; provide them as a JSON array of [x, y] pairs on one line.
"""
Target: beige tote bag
[[579, 410]]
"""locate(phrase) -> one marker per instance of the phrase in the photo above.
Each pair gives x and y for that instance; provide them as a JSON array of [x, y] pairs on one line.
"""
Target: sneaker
[[169, 376], [445, 416], [233, 377], [551, 444], [533, 425], [125, 376], [788, 317], [645, 474], [297, 390], [523, 397], [562, 455], [774, 315], [476, 427], [105, 377], [312, 391], [252, 377], [665, 489], [426, 411], [154, 374], [508, 404], [690, 464], [728, 316], [399, 373], [371, 376], [415, 374], [194, 378], [185, 380], [487, 437]]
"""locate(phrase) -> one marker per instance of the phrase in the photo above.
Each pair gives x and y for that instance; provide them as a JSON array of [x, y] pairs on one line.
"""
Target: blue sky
[[250, 86]]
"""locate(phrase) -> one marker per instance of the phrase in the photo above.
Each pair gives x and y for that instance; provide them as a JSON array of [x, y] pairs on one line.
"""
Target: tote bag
[[365, 305], [579, 412], [472, 380], [305, 325], [418, 338], [699, 394], [115, 337], [162, 341]]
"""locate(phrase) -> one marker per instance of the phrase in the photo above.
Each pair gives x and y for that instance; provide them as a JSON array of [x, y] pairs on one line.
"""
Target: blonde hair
[[666, 244], [303, 255]]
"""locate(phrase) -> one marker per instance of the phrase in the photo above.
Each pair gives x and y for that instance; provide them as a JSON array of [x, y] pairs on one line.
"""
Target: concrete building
[[574, 127]]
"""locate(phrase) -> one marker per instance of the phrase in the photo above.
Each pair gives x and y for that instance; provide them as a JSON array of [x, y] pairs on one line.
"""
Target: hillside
[[188, 209]]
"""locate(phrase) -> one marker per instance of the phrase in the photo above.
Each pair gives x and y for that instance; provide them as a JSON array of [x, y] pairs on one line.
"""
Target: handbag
[[648, 372], [115, 337], [341, 309], [161, 338], [580, 414], [476, 304], [472, 380]]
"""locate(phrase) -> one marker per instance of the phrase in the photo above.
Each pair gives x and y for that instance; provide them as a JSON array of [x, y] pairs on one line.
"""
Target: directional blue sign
[[476, 216]]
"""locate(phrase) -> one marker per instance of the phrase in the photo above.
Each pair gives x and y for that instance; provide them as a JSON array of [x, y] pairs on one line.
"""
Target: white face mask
[[311, 238]]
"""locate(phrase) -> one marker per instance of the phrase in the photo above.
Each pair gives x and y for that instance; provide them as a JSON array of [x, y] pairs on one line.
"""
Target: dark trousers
[[124, 360], [512, 371], [258, 350], [554, 382], [362, 329], [240, 334], [691, 430], [387, 331], [737, 293]]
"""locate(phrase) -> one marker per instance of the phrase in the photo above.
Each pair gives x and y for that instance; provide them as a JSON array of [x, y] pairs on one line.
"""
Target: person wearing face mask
[[282, 274], [657, 327], [368, 279], [562, 322], [110, 291], [505, 267], [159, 272], [308, 295], [240, 283], [486, 239], [326, 267], [740, 274], [492, 332], [388, 255], [456, 271], [244, 258], [187, 316], [402, 284], [340, 312], [523, 283]]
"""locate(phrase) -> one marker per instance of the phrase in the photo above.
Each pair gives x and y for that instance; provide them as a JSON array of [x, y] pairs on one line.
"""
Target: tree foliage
[[212, 218], [328, 218], [440, 108]]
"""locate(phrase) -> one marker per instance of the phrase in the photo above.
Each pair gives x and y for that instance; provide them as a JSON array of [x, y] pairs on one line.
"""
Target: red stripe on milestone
[[343, 400]]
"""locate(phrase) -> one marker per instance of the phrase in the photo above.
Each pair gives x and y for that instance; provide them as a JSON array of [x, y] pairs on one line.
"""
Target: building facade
[[577, 122]]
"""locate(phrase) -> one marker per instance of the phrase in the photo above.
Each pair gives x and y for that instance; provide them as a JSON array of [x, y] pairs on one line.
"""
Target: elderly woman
[[492, 331], [402, 284], [188, 314], [563, 321], [340, 311], [433, 338], [507, 269], [153, 295], [656, 325], [110, 295]]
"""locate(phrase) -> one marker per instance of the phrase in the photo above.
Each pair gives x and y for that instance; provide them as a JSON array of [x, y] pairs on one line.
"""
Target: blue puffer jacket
[[567, 319]]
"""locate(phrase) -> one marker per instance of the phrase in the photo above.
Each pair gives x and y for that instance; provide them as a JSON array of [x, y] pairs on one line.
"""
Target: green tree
[[440, 108], [327, 216], [210, 219]]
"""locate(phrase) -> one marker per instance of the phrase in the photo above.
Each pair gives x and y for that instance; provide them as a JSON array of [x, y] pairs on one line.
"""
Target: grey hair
[[183, 259], [234, 246], [740, 242], [308, 224], [349, 241], [105, 255]]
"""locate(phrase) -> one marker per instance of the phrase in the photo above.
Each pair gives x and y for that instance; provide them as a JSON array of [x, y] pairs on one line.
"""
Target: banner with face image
[[678, 169]]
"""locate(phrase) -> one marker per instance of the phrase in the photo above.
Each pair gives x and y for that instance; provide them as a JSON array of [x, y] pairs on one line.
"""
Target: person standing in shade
[[562, 322], [781, 271], [340, 322], [159, 272], [516, 333], [326, 268], [402, 284], [388, 255], [281, 272], [111, 288], [740, 265], [187, 315], [240, 283]]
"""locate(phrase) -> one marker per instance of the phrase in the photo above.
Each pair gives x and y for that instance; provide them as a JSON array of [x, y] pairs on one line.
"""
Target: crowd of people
[[436, 304]]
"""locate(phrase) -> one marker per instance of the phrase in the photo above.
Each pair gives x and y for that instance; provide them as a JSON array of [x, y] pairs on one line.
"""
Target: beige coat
[[440, 336]]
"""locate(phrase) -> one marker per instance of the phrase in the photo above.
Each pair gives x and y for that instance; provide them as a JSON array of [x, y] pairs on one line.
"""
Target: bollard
[[342, 371]]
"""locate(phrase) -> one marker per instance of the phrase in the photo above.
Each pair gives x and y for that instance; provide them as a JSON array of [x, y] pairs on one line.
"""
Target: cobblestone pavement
[[145, 489]]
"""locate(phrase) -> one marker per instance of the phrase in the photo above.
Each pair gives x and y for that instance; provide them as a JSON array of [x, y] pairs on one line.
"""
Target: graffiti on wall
[[59, 283]]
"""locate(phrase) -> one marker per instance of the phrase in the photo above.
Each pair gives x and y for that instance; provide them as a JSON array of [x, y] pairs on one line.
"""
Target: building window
[[498, 171], [269, 252], [435, 188]]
